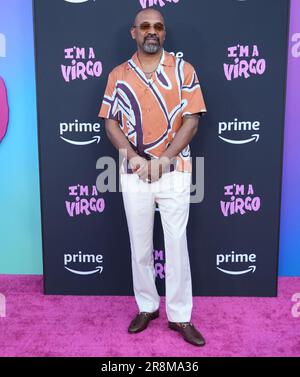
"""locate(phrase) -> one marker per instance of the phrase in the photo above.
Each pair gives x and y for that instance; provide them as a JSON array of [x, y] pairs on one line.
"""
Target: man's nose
[[152, 28], [152, 34]]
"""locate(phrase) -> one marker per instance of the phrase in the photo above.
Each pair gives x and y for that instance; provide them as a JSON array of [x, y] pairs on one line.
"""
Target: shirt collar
[[167, 60]]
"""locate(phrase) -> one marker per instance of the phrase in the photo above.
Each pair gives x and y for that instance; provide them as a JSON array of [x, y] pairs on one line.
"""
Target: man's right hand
[[137, 162]]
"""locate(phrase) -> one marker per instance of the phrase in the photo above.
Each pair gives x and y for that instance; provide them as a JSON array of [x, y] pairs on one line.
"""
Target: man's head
[[149, 30]]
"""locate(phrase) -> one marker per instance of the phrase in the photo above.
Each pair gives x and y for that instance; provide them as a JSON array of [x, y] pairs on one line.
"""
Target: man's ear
[[132, 32]]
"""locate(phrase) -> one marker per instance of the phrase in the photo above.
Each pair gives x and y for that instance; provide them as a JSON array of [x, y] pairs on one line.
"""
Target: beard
[[150, 47]]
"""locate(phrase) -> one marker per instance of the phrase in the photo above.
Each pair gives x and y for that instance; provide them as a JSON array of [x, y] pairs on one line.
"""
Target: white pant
[[172, 193]]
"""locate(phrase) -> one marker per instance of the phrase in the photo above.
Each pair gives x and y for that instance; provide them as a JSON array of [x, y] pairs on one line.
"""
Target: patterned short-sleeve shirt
[[151, 111]]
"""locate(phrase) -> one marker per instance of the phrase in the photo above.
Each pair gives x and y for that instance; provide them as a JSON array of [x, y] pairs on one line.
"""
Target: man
[[151, 108]]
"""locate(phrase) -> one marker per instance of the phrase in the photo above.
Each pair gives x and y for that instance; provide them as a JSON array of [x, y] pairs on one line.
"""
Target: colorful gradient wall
[[289, 261], [20, 232]]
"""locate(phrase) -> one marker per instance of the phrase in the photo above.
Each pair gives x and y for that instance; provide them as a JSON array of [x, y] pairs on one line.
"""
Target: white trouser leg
[[174, 210], [140, 208]]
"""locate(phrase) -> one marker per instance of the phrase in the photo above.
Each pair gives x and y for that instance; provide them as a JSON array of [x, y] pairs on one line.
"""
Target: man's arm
[[120, 142], [182, 138]]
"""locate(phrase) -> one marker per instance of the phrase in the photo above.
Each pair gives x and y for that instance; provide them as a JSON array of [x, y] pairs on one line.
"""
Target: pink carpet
[[38, 325]]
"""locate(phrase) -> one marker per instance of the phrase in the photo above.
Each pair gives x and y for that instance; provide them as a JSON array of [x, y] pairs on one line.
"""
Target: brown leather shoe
[[189, 332], [140, 322]]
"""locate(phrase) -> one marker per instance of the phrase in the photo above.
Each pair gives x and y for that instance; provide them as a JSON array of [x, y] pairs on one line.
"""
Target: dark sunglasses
[[146, 26]]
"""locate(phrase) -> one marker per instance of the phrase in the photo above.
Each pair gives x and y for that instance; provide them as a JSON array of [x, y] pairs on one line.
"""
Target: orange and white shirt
[[151, 111]]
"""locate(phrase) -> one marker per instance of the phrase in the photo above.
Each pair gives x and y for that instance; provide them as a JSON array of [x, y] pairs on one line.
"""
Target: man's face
[[149, 32]]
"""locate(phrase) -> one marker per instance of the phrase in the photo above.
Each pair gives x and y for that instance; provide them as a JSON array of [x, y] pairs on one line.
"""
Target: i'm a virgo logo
[[3, 109], [161, 3]]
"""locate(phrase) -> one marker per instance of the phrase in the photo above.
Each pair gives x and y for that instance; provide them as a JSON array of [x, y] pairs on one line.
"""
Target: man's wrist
[[166, 162], [131, 154]]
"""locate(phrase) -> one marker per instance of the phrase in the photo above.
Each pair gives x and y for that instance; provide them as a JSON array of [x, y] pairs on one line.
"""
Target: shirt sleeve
[[109, 108], [191, 93]]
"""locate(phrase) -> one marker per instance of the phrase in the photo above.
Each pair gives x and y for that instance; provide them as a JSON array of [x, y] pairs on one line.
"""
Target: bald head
[[144, 13], [149, 31]]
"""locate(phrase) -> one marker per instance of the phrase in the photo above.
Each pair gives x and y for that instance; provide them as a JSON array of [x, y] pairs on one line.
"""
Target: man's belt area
[[126, 165]]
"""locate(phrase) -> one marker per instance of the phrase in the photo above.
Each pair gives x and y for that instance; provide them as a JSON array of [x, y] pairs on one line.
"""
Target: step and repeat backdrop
[[239, 51]]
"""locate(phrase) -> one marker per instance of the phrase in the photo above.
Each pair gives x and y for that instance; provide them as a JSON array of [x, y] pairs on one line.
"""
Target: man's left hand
[[153, 171]]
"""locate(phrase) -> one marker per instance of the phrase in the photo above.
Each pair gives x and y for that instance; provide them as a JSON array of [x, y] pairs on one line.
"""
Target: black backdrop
[[230, 253]]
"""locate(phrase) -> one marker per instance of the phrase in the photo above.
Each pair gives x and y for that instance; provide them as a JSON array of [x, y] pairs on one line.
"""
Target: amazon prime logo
[[239, 132], [226, 263], [72, 133], [76, 1], [92, 263]]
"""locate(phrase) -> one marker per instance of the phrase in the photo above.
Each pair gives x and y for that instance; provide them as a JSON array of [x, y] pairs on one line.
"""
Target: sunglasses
[[146, 26]]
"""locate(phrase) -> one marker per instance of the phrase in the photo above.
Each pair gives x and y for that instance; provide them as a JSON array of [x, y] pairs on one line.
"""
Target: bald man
[[151, 108]]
